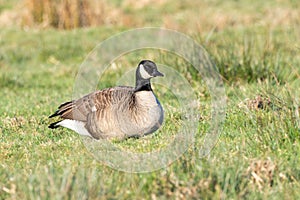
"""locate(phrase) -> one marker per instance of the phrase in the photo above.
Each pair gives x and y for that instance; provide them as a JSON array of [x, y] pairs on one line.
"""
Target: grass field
[[256, 47]]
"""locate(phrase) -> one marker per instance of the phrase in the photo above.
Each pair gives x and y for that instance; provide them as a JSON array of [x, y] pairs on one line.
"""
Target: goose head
[[146, 70]]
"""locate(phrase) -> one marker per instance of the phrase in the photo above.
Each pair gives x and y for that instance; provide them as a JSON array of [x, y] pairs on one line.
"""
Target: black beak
[[157, 73]]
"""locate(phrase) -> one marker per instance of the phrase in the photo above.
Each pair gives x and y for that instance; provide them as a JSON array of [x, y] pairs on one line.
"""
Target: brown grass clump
[[261, 173], [14, 121], [68, 14], [175, 188], [257, 103]]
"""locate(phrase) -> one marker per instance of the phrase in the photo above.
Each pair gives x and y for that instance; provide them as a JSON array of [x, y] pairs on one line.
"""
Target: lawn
[[256, 48]]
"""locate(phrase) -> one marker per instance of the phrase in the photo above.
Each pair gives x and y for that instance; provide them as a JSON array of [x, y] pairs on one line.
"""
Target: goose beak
[[157, 73]]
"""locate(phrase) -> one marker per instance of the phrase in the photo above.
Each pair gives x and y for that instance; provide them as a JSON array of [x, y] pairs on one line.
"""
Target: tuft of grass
[[258, 54], [67, 14]]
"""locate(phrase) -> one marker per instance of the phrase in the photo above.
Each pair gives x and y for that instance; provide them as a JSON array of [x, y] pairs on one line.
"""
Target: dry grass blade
[[261, 173]]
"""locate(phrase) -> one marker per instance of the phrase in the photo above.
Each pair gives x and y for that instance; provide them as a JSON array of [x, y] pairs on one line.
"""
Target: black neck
[[143, 85]]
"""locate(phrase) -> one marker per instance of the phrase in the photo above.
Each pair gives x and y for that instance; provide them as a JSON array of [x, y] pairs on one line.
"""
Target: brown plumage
[[117, 112]]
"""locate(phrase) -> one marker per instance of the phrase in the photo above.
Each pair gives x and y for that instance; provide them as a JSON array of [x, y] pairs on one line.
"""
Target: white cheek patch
[[144, 73]]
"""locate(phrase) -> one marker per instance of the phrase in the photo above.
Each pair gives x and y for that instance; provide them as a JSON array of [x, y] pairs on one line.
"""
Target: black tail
[[54, 125], [62, 109], [55, 114]]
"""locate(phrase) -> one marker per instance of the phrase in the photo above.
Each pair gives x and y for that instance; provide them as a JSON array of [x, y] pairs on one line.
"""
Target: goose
[[119, 112]]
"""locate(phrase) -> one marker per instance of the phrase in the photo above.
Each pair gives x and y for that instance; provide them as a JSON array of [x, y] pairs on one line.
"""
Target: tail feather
[[54, 125], [65, 104], [54, 114], [64, 111], [63, 108]]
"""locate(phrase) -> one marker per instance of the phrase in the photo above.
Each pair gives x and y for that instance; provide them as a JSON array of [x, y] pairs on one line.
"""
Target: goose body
[[118, 112]]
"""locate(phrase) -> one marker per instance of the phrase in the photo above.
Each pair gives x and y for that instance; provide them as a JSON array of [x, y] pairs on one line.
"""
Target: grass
[[256, 157]]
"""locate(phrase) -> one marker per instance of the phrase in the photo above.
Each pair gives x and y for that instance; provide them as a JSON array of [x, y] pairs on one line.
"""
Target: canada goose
[[118, 112]]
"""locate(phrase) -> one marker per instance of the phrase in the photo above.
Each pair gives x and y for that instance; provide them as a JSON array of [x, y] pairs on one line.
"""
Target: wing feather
[[100, 100]]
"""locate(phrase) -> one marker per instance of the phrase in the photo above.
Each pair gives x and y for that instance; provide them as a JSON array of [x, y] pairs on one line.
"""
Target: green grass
[[37, 73]]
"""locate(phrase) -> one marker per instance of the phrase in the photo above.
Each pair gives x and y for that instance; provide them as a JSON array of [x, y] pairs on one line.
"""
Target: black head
[[147, 69], [144, 72]]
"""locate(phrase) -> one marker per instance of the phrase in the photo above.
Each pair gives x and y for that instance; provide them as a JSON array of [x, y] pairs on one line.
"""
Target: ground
[[255, 46]]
